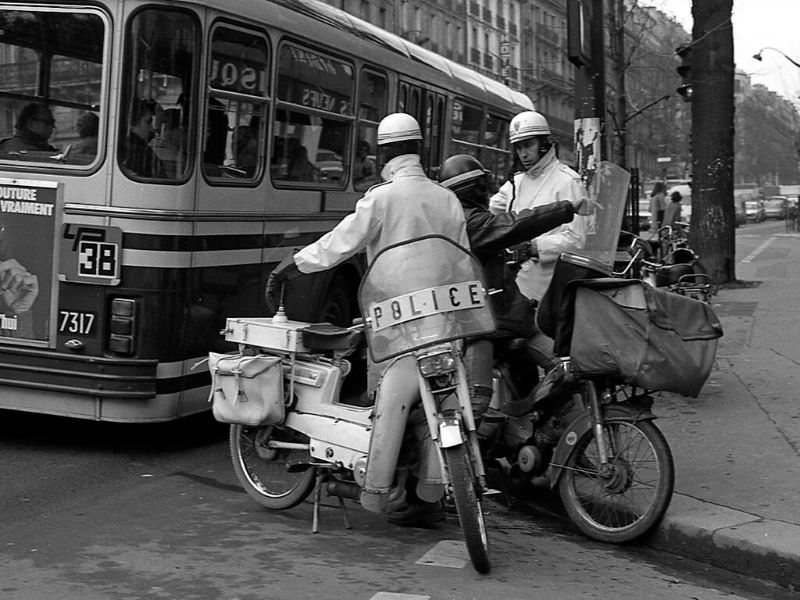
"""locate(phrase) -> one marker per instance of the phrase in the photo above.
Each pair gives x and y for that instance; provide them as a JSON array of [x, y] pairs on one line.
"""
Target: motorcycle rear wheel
[[468, 506], [275, 478], [629, 497]]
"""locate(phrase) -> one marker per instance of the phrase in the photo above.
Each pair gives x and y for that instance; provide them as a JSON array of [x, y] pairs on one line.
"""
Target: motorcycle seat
[[327, 337], [671, 274]]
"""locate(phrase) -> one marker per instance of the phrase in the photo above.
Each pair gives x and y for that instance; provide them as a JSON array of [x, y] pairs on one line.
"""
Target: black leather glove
[[284, 272], [518, 254]]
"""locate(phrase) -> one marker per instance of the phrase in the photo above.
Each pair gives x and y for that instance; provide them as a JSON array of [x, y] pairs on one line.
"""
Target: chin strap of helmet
[[516, 167]]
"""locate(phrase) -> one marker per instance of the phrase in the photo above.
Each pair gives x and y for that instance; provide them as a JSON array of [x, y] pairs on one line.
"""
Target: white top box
[[264, 333]]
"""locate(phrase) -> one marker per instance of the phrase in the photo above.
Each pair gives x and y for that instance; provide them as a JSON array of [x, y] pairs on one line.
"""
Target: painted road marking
[[393, 596], [447, 553], [757, 251]]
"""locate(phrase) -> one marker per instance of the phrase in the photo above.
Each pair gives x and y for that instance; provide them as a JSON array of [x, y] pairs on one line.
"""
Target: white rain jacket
[[547, 181], [407, 206]]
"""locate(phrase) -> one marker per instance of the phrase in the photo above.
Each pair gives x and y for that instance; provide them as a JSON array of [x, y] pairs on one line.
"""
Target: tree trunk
[[713, 217], [617, 26]]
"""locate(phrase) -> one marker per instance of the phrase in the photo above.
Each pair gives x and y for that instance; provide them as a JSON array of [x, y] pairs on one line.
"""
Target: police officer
[[544, 179], [490, 236], [407, 205]]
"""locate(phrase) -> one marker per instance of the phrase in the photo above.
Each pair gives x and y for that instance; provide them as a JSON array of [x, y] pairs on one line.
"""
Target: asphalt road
[[98, 511]]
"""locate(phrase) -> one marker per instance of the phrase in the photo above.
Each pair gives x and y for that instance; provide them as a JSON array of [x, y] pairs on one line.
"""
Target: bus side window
[[372, 101], [234, 141], [160, 67], [497, 154], [465, 129], [314, 122]]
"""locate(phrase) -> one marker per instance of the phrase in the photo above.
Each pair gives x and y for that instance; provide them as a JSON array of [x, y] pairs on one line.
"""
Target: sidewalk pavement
[[737, 445]]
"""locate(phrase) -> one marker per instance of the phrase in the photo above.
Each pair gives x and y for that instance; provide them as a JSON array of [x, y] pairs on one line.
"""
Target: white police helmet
[[398, 127], [526, 125]]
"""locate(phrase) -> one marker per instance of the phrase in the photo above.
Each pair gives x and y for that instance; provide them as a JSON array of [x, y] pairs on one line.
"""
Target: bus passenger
[[216, 138], [406, 206], [85, 149], [365, 173], [300, 168], [34, 127], [139, 156]]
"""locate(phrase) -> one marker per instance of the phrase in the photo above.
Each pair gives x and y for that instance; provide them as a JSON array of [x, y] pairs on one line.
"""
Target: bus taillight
[[122, 330]]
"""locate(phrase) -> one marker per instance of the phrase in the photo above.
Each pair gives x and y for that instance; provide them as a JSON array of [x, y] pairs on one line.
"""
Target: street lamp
[[757, 55]]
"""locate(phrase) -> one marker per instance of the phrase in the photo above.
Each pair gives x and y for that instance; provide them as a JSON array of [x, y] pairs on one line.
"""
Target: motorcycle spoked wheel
[[627, 498], [275, 478], [469, 506]]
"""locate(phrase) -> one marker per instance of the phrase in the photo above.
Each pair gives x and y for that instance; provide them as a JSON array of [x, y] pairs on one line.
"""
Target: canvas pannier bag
[[655, 339], [246, 390]]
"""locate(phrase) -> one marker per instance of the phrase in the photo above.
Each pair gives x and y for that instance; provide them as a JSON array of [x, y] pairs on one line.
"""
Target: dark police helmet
[[461, 172]]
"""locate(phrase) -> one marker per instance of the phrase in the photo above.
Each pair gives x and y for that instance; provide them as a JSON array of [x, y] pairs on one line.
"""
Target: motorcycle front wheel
[[464, 484], [624, 499], [276, 478]]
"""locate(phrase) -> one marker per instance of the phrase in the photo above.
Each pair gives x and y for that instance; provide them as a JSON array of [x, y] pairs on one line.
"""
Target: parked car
[[775, 207], [754, 210], [740, 213]]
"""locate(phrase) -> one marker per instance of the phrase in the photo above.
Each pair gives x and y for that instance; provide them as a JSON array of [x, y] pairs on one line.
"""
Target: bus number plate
[[91, 254], [72, 322], [424, 303]]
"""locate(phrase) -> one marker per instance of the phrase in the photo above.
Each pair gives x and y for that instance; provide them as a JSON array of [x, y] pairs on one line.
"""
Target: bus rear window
[[50, 92]]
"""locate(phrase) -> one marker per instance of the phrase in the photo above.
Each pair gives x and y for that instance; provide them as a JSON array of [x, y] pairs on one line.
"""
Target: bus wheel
[[337, 307]]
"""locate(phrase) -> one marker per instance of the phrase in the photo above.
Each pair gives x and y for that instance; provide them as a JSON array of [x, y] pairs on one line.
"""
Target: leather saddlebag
[[246, 390]]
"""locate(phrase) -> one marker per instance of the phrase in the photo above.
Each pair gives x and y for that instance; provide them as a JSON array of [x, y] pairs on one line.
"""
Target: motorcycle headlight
[[441, 363]]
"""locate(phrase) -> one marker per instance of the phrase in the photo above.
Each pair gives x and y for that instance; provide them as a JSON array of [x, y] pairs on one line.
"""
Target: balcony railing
[[474, 56], [487, 14], [501, 22], [547, 34], [474, 8], [488, 61]]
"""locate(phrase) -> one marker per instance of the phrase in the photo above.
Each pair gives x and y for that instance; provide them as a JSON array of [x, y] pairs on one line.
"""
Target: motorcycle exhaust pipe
[[344, 489]]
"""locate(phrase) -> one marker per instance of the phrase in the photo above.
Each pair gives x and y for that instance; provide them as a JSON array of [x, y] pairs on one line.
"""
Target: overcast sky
[[757, 24]]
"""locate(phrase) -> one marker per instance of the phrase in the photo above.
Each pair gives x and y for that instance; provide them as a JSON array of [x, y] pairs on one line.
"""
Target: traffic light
[[685, 71]]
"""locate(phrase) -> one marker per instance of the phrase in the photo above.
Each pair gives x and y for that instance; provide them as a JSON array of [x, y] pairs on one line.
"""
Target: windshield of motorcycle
[[423, 292], [608, 192]]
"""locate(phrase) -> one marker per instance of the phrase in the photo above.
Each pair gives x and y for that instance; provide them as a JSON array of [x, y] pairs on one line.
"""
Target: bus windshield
[[52, 64]]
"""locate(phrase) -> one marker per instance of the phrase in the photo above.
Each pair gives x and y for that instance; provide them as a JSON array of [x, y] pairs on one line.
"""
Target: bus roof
[[371, 33]]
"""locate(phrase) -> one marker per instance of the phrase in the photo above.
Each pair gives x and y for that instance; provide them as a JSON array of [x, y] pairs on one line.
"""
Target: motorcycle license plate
[[424, 303]]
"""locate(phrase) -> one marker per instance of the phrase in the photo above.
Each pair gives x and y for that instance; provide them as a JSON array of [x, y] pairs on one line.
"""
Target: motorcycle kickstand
[[320, 480]]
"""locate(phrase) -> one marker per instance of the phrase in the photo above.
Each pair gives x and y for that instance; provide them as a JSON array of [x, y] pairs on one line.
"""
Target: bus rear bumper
[[97, 388]]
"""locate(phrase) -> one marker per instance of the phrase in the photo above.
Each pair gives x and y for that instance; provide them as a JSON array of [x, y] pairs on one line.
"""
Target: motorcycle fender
[[450, 434], [636, 409]]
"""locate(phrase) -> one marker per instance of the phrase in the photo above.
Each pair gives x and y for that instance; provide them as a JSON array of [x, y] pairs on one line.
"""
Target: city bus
[[157, 159]]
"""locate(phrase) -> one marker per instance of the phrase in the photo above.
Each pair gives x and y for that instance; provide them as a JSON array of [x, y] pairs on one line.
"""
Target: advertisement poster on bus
[[30, 217]]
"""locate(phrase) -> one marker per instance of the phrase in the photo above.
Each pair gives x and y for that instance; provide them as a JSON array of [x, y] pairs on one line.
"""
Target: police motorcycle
[[318, 436], [587, 428]]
